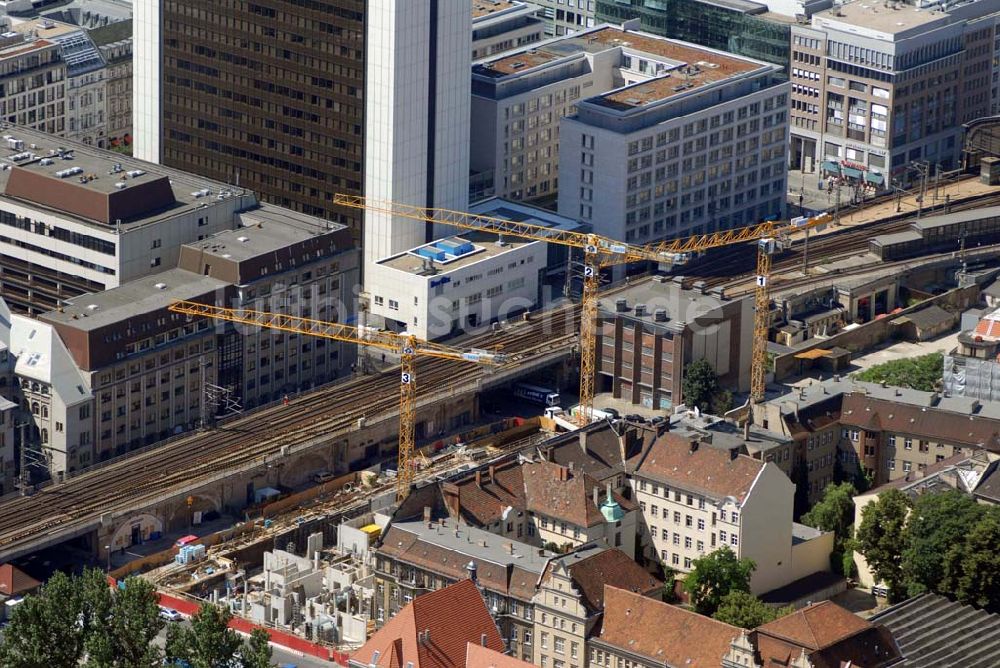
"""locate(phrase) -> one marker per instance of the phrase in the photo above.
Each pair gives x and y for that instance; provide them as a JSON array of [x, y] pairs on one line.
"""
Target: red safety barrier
[[287, 640]]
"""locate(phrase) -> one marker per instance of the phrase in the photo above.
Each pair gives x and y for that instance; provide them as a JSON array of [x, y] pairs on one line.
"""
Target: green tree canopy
[[257, 653], [210, 643], [745, 610], [880, 538], [972, 567], [77, 618], [701, 384], [918, 373], [714, 576], [937, 523], [835, 511]]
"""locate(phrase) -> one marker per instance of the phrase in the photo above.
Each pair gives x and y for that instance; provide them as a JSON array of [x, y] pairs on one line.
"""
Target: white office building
[[503, 25], [456, 283], [690, 141], [416, 116]]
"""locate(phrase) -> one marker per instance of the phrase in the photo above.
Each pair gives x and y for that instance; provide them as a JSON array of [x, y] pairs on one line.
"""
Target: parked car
[[322, 476], [170, 615]]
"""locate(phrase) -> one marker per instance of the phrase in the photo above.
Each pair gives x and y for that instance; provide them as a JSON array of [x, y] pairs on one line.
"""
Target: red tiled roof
[[988, 327], [816, 626], [478, 656], [557, 492], [664, 633], [454, 617], [14, 581], [705, 469], [865, 412], [610, 567]]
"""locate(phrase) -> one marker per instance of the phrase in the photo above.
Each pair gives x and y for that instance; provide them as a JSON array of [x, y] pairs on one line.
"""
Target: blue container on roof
[[432, 253]]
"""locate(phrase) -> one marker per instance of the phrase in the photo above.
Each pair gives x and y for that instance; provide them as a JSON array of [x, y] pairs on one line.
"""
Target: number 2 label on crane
[[588, 272], [405, 378]]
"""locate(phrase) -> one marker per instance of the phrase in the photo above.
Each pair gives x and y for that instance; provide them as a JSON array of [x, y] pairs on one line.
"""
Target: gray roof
[[896, 237], [142, 295], [477, 544], [682, 306], [262, 230], [932, 631], [927, 317], [821, 390], [958, 217], [723, 435], [112, 32]]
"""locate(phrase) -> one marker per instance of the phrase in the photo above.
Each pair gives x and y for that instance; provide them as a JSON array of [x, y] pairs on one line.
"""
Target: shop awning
[[852, 173], [830, 166], [872, 177]]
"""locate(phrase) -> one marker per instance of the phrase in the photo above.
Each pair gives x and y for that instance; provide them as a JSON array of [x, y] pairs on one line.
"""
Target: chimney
[[427, 516], [493, 472], [482, 640], [746, 429], [563, 473], [621, 305], [571, 467], [510, 548], [694, 445], [479, 478], [451, 498], [597, 495], [609, 491]]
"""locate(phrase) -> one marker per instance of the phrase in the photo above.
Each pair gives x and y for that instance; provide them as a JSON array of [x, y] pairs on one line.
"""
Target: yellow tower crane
[[407, 347], [600, 252]]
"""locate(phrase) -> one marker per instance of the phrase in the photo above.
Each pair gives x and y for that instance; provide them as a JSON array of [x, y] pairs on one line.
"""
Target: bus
[[536, 394]]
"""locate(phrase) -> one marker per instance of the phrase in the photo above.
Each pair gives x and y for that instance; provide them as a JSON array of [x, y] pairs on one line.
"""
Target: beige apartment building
[[569, 603], [696, 499], [880, 90], [33, 83]]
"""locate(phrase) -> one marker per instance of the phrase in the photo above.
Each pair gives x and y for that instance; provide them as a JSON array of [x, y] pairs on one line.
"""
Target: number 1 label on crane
[[761, 281], [405, 378]]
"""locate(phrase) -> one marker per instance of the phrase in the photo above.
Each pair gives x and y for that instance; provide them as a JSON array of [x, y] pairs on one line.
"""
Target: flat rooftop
[[27, 46], [481, 8], [682, 66], [97, 186], [873, 15], [143, 295], [264, 229], [485, 246], [519, 212], [682, 305]]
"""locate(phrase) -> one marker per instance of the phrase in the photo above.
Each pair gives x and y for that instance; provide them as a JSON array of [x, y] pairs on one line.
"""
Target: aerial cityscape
[[500, 333]]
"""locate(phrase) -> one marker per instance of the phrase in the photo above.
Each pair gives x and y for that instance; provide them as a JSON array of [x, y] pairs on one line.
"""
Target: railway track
[[717, 267], [249, 441]]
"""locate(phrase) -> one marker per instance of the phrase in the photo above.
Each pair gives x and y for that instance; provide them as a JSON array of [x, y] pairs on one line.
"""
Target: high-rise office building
[[266, 95], [301, 101]]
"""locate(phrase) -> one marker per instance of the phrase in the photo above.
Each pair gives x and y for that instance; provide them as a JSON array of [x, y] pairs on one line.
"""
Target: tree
[[834, 512], [45, 629], [122, 637], [972, 566], [700, 384], [76, 617], [918, 373], [880, 538], [209, 643], [714, 576], [937, 523], [745, 610], [669, 584], [257, 653]]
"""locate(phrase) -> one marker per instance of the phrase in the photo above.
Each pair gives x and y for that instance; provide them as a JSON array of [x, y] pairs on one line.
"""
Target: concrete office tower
[[267, 95], [416, 115]]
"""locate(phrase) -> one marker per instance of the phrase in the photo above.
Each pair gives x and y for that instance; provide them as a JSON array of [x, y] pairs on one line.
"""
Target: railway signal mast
[[409, 348], [600, 252]]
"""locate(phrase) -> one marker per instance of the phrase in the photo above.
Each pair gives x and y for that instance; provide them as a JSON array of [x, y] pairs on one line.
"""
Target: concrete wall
[[811, 556], [875, 332], [766, 529]]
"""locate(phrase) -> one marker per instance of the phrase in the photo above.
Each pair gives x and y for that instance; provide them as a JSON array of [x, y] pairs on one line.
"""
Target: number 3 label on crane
[[405, 378], [588, 272]]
